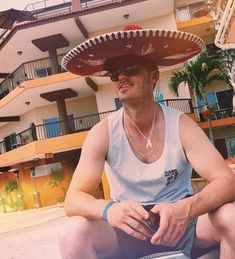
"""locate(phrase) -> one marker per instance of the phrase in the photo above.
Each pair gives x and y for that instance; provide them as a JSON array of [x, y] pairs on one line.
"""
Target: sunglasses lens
[[131, 70], [115, 75]]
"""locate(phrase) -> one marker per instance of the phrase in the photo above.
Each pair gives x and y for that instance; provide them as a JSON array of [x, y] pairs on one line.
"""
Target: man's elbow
[[68, 206]]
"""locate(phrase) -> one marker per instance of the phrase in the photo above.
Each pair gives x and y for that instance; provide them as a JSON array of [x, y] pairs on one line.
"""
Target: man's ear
[[155, 77]]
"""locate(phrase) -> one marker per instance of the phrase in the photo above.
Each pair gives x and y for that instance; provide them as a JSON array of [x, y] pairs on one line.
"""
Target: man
[[148, 150]]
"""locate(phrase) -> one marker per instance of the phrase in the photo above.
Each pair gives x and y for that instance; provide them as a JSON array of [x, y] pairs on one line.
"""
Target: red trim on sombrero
[[164, 47], [129, 27]]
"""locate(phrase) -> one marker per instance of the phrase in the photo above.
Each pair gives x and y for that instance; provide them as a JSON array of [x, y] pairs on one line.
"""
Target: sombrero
[[164, 47]]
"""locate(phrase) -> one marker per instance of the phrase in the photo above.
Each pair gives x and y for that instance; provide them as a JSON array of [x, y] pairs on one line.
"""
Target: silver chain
[[149, 143]]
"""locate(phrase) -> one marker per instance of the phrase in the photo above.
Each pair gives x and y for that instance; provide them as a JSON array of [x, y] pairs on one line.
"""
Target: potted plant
[[60, 199], [56, 177], [11, 205]]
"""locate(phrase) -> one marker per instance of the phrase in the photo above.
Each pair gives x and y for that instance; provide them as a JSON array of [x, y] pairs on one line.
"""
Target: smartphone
[[153, 221]]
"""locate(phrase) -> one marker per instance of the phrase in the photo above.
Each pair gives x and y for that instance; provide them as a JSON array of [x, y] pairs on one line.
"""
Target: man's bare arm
[[210, 165], [126, 215], [87, 176]]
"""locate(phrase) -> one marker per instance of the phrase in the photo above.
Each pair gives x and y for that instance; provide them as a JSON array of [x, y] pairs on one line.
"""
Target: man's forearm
[[85, 205], [214, 195]]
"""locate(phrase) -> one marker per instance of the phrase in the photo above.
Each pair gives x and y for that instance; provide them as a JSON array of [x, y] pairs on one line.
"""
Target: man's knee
[[223, 218], [73, 234]]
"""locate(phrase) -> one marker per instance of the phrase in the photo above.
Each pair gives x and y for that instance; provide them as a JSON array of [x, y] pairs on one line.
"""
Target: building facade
[[46, 112]]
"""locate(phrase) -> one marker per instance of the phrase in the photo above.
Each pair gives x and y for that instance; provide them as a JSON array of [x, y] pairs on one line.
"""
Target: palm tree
[[198, 75]]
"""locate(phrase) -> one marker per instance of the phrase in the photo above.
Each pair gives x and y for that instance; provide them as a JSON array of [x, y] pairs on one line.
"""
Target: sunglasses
[[131, 70]]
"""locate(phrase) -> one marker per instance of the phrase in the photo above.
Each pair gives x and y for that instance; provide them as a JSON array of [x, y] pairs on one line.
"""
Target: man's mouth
[[124, 85]]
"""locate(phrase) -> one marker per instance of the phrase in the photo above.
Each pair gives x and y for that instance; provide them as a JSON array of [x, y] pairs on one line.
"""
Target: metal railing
[[48, 8], [27, 71], [184, 105], [217, 113], [79, 124], [185, 13], [50, 130], [86, 4]]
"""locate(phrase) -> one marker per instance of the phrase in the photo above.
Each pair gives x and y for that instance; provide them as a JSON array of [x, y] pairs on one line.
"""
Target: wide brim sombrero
[[164, 47]]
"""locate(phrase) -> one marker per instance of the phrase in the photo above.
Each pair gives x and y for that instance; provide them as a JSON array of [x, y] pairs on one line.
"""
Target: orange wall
[[48, 194]]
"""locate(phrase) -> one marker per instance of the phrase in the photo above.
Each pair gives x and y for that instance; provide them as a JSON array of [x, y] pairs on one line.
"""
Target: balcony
[[191, 11], [80, 124], [216, 113], [50, 130], [184, 105], [49, 8], [84, 123], [28, 71]]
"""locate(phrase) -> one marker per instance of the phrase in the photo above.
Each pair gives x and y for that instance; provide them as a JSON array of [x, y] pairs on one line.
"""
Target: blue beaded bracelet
[[107, 206]]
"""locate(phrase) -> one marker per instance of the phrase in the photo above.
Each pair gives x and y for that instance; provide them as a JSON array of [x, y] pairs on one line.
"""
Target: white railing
[[44, 4], [183, 14], [226, 20]]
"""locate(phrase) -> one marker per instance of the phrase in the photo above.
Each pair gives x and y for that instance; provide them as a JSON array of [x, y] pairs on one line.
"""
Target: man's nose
[[122, 75]]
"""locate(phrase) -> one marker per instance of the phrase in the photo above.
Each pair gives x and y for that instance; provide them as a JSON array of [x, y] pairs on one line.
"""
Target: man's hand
[[173, 223], [130, 217]]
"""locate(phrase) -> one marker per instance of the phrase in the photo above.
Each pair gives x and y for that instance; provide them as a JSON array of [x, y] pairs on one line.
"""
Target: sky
[[17, 4]]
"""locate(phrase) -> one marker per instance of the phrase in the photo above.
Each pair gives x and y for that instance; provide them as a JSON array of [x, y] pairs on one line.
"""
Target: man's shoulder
[[172, 110]]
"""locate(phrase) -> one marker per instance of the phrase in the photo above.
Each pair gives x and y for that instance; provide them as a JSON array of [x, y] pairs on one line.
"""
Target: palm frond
[[176, 79]]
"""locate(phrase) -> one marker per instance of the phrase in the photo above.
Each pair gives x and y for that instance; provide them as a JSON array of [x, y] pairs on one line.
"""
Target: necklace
[[149, 143], [133, 145]]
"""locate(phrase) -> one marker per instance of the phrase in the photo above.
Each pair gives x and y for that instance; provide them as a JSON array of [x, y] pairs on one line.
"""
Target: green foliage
[[199, 74], [10, 187], [56, 176], [61, 198]]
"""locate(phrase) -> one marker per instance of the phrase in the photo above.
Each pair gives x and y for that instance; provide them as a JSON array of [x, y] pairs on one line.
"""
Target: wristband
[[107, 206]]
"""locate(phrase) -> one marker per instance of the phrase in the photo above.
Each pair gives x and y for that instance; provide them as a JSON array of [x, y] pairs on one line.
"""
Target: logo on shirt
[[171, 175]]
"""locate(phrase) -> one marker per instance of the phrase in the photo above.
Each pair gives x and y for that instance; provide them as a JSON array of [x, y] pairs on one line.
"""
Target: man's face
[[133, 80]]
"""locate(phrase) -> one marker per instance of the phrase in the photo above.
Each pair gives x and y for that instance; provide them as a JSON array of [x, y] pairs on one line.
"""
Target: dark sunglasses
[[130, 70]]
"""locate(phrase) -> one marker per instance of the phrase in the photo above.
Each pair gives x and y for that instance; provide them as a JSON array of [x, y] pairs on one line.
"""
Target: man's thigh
[[80, 232], [206, 234]]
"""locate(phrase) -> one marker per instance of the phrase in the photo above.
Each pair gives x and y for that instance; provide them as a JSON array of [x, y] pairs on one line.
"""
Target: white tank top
[[166, 180]]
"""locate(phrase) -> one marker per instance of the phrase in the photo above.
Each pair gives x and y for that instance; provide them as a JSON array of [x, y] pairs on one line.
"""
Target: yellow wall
[[48, 194]]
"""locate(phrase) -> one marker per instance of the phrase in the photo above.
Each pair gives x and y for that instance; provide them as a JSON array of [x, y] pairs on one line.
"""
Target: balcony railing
[[184, 105], [216, 113], [187, 12], [27, 71], [48, 8], [50, 130]]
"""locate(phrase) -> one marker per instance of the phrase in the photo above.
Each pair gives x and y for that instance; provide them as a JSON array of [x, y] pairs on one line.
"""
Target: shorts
[[133, 248]]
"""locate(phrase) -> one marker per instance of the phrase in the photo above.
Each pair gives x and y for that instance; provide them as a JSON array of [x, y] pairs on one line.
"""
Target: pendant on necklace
[[149, 144]]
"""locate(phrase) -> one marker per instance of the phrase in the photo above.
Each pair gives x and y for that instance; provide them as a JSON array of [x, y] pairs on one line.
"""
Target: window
[[43, 72], [52, 127], [10, 142], [225, 99], [226, 146], [118, 103], [46, 169], [230, 141], [221, 102]]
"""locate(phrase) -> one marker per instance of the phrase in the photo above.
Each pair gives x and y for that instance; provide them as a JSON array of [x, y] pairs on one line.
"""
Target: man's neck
[[141, 114]]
